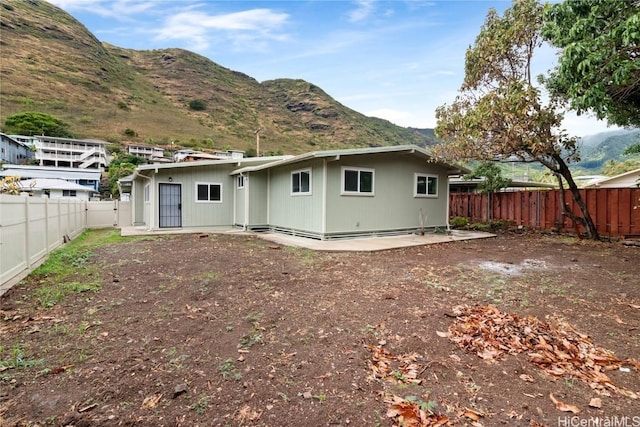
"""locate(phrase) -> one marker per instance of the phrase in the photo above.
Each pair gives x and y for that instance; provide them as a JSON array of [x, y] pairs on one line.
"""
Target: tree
[[499, 114], [491, 174], [599, 68], [35, 123], [123, 164]]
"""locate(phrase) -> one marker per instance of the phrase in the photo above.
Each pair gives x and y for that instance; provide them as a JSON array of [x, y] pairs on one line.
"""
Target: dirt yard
[[233, 330]]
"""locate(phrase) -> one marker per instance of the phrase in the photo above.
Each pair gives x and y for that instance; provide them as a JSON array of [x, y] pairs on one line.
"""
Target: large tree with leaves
[[599, 66], [499, 114], [36, 123]]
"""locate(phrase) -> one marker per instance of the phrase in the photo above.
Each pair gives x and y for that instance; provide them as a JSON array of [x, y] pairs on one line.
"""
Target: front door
[[170, 205]]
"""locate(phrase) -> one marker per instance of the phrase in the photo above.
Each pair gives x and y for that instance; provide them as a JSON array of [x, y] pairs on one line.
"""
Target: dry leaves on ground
[[556, 348]]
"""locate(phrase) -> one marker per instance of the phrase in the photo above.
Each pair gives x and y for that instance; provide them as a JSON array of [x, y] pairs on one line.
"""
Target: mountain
[[51, 63], [596, 150]]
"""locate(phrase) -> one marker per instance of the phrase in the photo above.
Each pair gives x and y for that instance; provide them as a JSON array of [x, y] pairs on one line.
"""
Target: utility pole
[[257, 132]]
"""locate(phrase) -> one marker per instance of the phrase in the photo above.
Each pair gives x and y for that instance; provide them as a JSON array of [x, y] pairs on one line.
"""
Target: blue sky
[[397, 60]]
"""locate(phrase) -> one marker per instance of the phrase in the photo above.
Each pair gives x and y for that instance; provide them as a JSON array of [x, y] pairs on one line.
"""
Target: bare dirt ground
[[232, 330]]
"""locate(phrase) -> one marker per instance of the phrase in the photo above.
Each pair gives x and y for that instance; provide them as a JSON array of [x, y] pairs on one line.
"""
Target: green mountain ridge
[[53, 64]]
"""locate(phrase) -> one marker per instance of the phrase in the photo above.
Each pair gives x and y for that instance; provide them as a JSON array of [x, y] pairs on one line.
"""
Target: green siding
[[201, 214], [258, 199], [393, 206], [296, 212]]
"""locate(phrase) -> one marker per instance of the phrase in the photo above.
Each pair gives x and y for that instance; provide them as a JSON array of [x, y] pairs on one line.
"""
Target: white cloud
[[247, 30], [120, 9], [362, 11]]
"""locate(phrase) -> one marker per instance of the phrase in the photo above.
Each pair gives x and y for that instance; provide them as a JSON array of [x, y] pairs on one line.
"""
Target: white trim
[[208, 192], [146, 191], [357, 193], [415, 185], [246, 203], [300, 172], [324, 197]]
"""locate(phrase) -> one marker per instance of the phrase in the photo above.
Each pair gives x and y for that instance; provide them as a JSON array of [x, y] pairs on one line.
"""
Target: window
[[301, 182], [208, 192], [68, 193], [146, 192], [426, 185], [357, 181], [240, 181]]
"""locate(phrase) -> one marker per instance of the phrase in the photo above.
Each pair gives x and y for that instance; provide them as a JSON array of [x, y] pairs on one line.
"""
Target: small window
[[240, 181], [357, 181], [426, 185], [301, 182], [68, 193], [208, 192], [146, 193]]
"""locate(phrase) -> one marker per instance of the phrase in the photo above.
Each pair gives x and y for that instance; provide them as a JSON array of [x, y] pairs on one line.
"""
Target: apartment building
[[67, 152]]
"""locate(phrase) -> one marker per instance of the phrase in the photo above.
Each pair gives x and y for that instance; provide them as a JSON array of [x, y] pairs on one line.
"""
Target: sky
[[397, 60]]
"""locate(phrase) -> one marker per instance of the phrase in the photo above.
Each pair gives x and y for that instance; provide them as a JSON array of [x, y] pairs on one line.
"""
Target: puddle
[[513, 269]]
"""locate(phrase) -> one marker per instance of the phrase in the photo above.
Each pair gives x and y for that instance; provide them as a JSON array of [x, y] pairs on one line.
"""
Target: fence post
[[27, 255]]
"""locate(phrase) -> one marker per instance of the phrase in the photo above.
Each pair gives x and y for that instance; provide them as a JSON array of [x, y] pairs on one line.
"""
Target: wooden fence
[[615, 211]]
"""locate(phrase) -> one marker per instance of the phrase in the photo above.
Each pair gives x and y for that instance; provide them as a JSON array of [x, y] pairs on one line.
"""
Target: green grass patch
[[68, 269], [17, 360]]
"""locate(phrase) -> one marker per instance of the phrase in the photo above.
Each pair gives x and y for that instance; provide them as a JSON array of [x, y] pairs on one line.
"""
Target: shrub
[[198, 105], [130, 132], [459, 222]]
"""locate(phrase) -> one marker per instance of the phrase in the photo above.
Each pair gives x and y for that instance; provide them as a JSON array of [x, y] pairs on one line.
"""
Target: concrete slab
[[371, 244], [366, 244]]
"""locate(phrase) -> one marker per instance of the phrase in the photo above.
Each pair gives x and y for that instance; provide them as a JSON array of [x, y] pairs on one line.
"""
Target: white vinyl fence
[[31, 227]]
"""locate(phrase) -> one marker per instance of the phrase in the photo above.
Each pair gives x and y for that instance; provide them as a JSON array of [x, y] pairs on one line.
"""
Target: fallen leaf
[[636, 306], [151, 401], [472, 415], [619, 320], [564, 407], [595, 402], [526, 378], [443, 334]]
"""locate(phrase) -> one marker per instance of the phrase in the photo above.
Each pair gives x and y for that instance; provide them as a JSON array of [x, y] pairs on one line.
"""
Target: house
[[54, 188], [629, 179], [187, 155], [151, 153], [321, 195], [458, 184], [86, 177], [13, 151], [68, 152]]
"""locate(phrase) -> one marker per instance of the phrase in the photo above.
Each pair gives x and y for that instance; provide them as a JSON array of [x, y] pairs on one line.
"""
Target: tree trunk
[[564, 172]]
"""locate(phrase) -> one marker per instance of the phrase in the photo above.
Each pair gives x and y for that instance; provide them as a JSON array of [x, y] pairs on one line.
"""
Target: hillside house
[[67, 152], [152, 153], [321, 195], [13, 151]]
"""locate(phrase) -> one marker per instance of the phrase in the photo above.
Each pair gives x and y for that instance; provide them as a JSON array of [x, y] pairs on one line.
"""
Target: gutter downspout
[[246, 202], [448, 202]]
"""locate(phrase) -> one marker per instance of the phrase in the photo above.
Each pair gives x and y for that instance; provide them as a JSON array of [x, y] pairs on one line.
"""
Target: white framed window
[[301, 182], [147, 189], [358, 181], [240, 181], [425, 185], [208, 192], [68, 193]]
